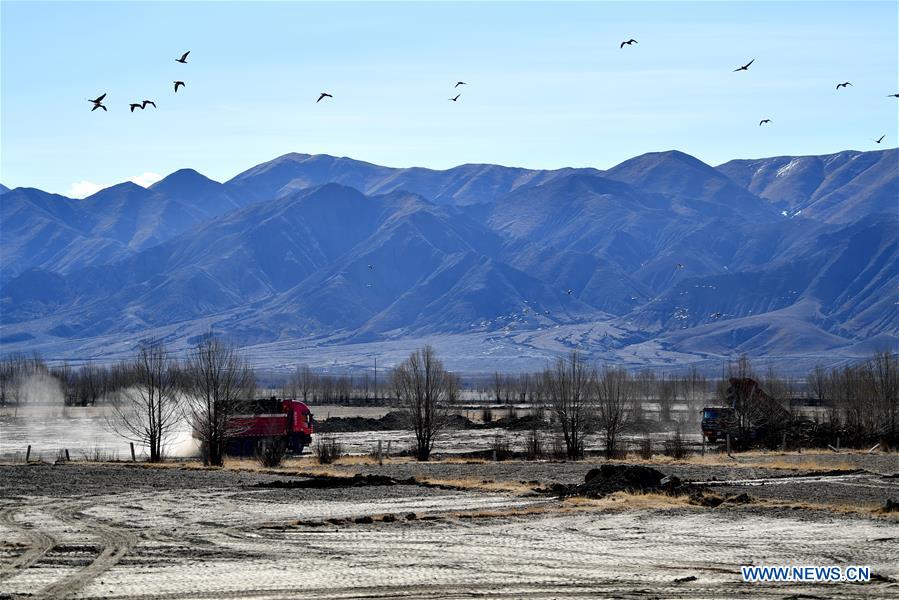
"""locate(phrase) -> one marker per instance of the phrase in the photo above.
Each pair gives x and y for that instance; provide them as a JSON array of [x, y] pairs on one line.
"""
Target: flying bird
[[146, 102], [371, 267], [628, 43], [569, 291], [458, 83], [679, 266], [177, 83], [844, 84], [745, 67], [716, 315], [893, 96], [133, 106], [98, 103], [456, 98], [763, 121], [877, 141], [183, 59], [323, 95]]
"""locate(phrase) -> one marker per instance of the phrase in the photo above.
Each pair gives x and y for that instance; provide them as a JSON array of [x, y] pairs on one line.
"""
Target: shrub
[[675, 447], [327, 450], [500, 447], [646, 447], [534, 445], [559, 450], [270, 453], [618, 451]]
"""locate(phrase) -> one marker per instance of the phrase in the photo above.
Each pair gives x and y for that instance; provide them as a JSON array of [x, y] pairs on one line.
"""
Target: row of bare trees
[[28, 378], [582, 400], [155, 393], [322, 388], [862, 399], [579, 398], [663, 390]]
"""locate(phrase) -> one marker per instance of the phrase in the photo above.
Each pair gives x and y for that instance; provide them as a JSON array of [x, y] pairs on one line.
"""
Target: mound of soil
[[329, 482], [397, 419], [609, 479]]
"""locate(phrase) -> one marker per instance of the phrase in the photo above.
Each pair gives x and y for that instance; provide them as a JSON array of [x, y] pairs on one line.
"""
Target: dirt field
[[129, 531]]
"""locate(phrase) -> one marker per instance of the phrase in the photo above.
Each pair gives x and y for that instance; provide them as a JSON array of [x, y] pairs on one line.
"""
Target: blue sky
[[548, 84]]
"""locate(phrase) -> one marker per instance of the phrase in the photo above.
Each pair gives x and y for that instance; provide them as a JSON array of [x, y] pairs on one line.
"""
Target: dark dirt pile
[[397, 419], [321, 482], [390, 421], [611, 478]]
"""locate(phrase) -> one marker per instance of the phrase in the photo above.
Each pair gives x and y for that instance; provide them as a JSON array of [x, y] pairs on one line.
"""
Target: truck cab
[[301, 425], [716, 422]]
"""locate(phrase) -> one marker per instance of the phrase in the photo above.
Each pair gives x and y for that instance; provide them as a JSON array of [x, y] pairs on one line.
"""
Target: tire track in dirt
[[39, 544], [116, 543]]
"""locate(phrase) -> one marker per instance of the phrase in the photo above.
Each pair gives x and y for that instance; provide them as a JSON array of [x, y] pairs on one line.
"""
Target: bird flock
[[745, 67], [98, 102]]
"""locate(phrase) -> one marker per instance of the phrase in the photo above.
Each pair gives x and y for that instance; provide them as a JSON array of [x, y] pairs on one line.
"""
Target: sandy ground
[[128, 531]]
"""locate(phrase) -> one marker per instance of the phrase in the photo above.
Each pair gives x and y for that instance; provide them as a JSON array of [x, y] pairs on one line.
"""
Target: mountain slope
[[661, 258], [837, 188], [462, 185]]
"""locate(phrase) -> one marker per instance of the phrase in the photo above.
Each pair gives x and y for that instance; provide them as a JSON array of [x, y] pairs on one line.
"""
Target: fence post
[[133, 459], [728, 444], [28, 453], [783, 442], [380, 459], [388, 448], [67, 455], [838, 442]]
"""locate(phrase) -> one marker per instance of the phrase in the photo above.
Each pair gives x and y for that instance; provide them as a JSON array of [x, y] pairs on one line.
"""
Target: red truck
[[286, 422]]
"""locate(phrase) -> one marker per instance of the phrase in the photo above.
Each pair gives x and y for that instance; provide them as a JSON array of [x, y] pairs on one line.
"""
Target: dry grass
[[782, 461], [367, 459], [630, 501]]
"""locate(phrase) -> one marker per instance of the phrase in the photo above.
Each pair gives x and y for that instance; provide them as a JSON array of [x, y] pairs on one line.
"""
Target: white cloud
[[146, 179], [83, 189]]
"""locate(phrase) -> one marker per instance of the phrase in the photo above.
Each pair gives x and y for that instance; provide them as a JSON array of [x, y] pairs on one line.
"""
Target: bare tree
[[150, 411], [301, 384], [644, 391], [569, 390], [883, 371], [667, 391], [426, 389], [216, 379], [497, 388], [615, 389], [817, 384]]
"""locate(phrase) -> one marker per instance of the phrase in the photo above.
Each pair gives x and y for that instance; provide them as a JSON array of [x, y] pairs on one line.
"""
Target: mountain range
[[660, 260]]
